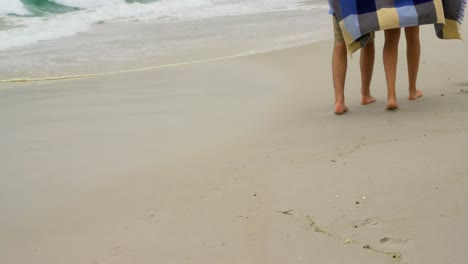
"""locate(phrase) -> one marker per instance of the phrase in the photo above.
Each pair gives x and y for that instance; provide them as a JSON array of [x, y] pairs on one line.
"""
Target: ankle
[[412, 89], [340, 100]]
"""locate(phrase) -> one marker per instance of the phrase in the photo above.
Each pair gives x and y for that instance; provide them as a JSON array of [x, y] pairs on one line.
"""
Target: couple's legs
[[390, 57], [339, 68]]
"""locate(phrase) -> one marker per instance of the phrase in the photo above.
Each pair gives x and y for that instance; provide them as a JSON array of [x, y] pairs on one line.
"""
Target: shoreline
[[36, 80], [126, 45]]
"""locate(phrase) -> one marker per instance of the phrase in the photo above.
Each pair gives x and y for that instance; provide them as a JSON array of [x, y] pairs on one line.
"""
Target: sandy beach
[[238, 160]]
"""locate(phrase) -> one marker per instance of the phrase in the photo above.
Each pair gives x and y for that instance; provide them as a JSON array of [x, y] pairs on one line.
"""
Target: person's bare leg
[[339, 67], [367, 68], [390, 58], [413, 55]]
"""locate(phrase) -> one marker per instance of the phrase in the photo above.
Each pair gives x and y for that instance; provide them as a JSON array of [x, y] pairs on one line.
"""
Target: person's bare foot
[[340, 108], [415, 95], [392, 105], [367, 99]]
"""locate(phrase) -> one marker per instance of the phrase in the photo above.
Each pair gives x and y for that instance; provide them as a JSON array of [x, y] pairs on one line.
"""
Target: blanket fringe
[[462, 11]]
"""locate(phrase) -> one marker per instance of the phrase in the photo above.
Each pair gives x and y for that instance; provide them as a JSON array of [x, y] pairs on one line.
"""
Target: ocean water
[[43, 38]]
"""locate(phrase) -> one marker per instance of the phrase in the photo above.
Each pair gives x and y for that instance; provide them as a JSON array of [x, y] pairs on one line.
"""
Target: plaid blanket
[[358, 18]]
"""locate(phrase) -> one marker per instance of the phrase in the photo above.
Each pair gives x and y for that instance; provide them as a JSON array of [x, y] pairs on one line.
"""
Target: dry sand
[[238, 161]]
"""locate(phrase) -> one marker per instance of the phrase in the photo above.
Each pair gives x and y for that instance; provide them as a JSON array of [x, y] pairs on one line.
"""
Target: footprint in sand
[[398, 244], [463, 91], [391, 240], [367, 222], [139, 221]]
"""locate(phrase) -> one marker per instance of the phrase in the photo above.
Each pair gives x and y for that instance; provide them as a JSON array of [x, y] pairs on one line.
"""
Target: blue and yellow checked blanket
[[358, 18]]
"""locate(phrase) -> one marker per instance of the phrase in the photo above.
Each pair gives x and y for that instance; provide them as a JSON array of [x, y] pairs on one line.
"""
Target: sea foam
[[29, 28]]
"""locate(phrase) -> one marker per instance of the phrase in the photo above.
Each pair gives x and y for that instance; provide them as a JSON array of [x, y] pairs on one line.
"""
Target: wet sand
[[237, 161]]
